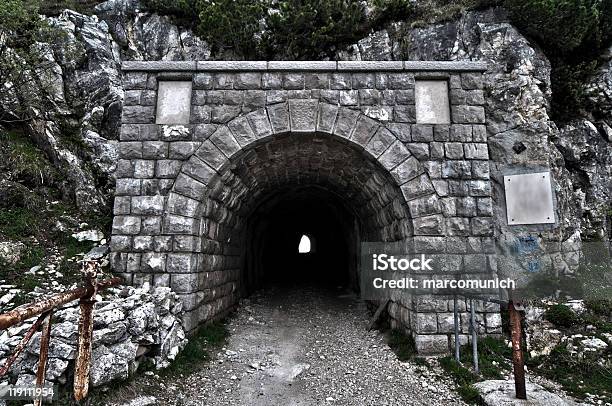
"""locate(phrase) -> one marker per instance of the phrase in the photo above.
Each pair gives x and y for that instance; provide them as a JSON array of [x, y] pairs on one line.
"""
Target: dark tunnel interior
[[274, 231]]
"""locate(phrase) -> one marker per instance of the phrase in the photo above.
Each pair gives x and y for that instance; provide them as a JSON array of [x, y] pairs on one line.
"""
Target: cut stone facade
[[184, 190]]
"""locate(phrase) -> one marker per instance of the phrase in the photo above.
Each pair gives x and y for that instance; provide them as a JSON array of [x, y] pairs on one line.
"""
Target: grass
[[402, 345], [493, 358], [201, 344], [577, 376], [19, 222]]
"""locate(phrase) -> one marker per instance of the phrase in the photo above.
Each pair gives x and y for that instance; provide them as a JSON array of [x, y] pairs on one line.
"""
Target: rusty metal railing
[[44, 309], [514, 307]]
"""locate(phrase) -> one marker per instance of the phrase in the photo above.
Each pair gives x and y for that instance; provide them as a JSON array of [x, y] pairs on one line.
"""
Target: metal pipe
[[474, 337], [456, 320], [517, 352], [42, 358], [83, 361], [25, 312], [24, 341]]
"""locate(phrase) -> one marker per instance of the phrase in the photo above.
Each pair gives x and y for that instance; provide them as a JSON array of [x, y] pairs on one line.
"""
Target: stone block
[[458, 226], [143, 243], [380, 141], [181, 263], [404, 114], [453, 150], [479, 133], [135, 80], [480, 170], [167, 168], [394, 155], [133, 262], [126, 225], [185, 206], [223, 81], [184, 282], [466, 206], [422, 133], [423, 206], [174, 224], [330, 96], [188, 186], [127, 187], [420, 150], [400, 81], [485, 206], [401, 131], [121, 243], [463, 114], [317, 80], [471, 81], [279, 118], [364, 130], [181, 149], [233, 97], [340, 81], [198, 169], [121, 205], [203, 81], [147, 204], [153, 262], [224, 140], [130, 150], [471, 97], [271, 81], [303, 115], [481, 188], [482, 226], [222, 114], [293, 81], [456, 169], [418, 186], [346, 122], [476, 151], [440, 186], [426, 323], [436, 150], [441, 133], [242, 131], [458, 187], [349, 97], [212, 155], [154, 150], [247, 80], [428, 225], [260, 123], [407, 170], [460, 133], [326, 118], [368, 97]]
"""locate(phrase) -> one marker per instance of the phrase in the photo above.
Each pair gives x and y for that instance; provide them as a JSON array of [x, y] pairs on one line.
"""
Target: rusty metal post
[[43, 356], [24, 341], [83, 361], [517, 352]]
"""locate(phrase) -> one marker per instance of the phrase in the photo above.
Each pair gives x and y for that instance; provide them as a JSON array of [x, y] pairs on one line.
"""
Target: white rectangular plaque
[[173, 102], [529, 198], [431, 99]]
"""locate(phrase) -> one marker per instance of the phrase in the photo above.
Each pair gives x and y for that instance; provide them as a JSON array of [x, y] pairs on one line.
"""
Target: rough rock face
[[521, 134], [129, 326]]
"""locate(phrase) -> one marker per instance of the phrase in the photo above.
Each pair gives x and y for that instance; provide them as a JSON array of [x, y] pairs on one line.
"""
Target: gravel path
[[307, 347]]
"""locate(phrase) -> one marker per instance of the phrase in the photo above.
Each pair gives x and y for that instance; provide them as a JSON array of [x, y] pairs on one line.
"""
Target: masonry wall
[[182, 189]]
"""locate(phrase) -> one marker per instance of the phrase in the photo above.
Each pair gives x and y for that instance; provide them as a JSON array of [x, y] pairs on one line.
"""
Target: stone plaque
[[529, 198], [173, 102], [432, 106]]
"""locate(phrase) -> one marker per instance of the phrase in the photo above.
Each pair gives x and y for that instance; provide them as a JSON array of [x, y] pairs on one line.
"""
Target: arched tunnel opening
[[319, 186], [311, 215]]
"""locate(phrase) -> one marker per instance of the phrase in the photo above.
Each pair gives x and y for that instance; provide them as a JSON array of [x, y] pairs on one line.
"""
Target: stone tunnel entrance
[[314, 185], [224, 166]]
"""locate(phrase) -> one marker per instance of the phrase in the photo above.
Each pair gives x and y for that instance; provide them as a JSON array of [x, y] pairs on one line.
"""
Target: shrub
[[231, 25], [561, 315], [313, 29]]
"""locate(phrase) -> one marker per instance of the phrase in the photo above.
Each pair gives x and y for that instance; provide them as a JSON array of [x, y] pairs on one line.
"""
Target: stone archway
[[295, 143]]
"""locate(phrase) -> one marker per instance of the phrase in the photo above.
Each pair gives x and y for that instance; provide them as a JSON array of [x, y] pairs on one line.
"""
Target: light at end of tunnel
[[304, 247]]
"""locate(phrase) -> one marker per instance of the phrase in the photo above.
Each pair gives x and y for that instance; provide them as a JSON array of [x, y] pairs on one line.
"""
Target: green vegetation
[[572, 33], [402, 345], [493, 357], [201, 345], [313, 29], [290, 29], [577, 375], [561, 315]]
